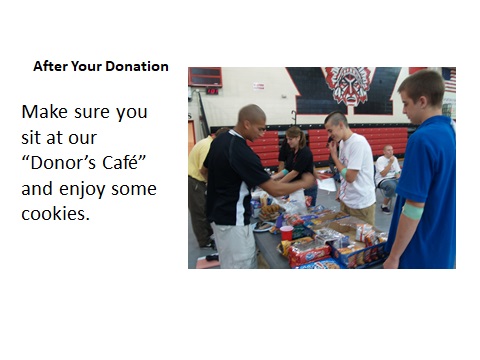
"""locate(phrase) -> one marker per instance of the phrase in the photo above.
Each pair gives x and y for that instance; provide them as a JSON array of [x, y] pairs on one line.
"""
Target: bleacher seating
[[379, 137], [268, 146], [317, 141]]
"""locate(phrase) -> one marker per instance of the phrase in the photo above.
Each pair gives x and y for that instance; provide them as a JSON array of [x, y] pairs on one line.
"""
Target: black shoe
[[386, 210], [212, 257]]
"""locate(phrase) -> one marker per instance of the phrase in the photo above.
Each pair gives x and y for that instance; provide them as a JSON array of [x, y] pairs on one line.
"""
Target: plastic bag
[[294, 204]]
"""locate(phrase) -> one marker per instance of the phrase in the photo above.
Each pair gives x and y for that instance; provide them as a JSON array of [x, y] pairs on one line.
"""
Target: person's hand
[[391, 263], [332, 146], [309, 179], [277, 176], [392, 159]]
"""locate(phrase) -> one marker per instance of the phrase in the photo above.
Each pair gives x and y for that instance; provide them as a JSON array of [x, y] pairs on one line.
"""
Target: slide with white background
[[93, 221]]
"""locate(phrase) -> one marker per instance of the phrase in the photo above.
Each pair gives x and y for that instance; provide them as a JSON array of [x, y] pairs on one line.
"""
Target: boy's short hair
[[336, 117], [428, 83]]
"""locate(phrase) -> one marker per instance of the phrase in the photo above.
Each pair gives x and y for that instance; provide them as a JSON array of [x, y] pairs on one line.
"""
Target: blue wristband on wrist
[[343, 172], [285, 172]]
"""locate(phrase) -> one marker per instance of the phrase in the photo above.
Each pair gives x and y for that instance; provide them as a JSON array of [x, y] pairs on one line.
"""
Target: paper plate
[[263, 230]]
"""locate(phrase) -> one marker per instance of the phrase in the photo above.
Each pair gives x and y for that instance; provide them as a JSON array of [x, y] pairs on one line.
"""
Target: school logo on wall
[[350, 85], [323, 90]]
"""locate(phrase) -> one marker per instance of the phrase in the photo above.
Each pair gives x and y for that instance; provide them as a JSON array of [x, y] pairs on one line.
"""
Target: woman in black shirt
[[298, 161]]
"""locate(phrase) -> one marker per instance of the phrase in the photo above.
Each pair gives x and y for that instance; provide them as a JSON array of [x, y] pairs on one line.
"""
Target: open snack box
[[361, 245], [324, 217], [314, 216]]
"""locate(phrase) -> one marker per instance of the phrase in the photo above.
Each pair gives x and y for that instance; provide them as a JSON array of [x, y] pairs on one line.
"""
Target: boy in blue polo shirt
[[423, 228]]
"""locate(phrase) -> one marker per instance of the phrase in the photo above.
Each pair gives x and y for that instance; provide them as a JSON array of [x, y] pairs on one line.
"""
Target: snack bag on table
[[303, 253]]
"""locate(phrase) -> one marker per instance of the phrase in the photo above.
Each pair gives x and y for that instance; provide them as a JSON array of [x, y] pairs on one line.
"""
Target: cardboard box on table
[[362, 256], [321, 220], [326, 217]]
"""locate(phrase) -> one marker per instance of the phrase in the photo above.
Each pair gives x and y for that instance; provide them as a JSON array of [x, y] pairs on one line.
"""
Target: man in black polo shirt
[[232, 170]]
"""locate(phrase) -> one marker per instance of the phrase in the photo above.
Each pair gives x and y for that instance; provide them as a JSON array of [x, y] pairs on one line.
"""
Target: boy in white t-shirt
[[387, 172], [354, 161]]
